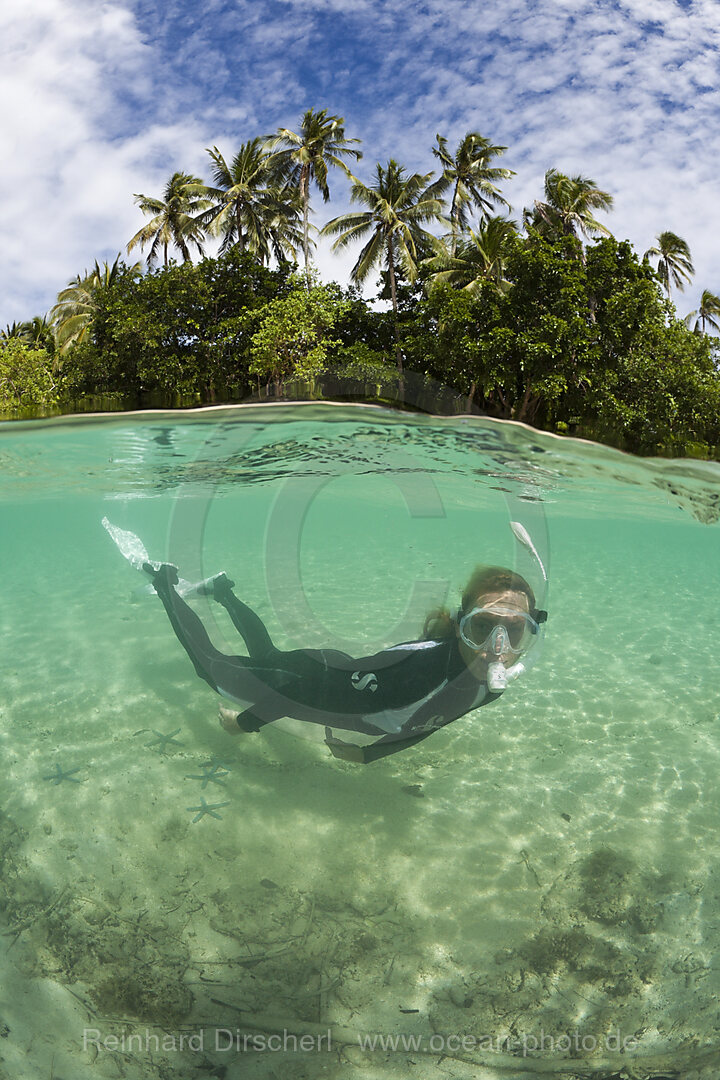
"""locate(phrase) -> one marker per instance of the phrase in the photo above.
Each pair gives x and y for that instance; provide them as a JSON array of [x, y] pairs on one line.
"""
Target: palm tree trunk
[[393, 295], [241, 238], [165, 250], [454, 222], [305, 195]]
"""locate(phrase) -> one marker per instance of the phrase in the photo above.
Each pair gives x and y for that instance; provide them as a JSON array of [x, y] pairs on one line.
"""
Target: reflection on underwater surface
[[543, 870]]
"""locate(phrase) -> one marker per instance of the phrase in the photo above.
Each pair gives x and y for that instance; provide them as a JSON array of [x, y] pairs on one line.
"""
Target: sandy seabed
[[539, 882]]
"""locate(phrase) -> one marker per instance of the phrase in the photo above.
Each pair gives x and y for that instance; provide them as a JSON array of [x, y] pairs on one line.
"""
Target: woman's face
[[477, 659]]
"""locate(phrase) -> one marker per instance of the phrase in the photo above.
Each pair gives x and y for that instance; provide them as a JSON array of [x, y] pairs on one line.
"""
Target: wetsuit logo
[[364, 682]]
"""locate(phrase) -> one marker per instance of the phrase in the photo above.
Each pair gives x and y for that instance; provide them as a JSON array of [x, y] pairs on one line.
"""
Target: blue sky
[[108, 99]]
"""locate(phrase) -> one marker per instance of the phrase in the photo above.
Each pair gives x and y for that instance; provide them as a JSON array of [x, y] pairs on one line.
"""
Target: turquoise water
[[543, 871]]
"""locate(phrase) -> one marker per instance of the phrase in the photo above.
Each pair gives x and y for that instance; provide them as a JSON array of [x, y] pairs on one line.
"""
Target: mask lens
[[516, 629], [478, 625]]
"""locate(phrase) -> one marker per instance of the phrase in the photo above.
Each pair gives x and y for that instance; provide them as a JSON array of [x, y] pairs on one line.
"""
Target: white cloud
[[70, 181]]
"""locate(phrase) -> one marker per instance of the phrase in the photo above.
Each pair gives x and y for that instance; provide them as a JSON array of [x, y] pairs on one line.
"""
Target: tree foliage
[[479, 256], [589, 346], [708, 314], [399, 206], [568, 207], [182, 330], [73, 313], [174, 219], [292, 339], [472, 178], [251, 206], [27, 380], [674, 263], [305, 157]]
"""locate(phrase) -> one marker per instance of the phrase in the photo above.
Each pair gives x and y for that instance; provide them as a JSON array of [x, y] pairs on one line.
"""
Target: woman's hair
[[440, 623]]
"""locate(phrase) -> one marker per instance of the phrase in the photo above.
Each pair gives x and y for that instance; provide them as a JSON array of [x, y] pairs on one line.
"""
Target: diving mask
[[498, 629]]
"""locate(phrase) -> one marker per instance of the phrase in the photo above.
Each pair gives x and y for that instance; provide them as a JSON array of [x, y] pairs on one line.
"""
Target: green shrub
[[27, 380]]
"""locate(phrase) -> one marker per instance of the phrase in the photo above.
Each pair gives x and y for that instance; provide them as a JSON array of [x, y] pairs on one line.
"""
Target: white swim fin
[[130, 546]]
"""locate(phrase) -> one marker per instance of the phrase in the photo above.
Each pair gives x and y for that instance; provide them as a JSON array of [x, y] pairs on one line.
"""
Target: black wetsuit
[[401, 695]]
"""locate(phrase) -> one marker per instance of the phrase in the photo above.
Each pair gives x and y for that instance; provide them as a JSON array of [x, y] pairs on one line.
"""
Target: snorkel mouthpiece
[[496, 677], [496, 674]]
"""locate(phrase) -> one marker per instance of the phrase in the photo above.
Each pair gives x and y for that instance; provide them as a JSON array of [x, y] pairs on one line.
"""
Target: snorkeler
[[393, 699]]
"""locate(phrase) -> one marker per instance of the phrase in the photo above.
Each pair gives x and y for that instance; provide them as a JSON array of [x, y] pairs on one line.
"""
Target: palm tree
[[248, 207], [478, 257], [472, 177], [175, 218], [74, 310], [15, 331], [674, 261], [305, 157], [398, 207], [38, 331], [568, 207], [707, 314]]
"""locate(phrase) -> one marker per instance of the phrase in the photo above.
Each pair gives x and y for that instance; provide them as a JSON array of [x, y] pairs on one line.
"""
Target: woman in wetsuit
[[394, 698]]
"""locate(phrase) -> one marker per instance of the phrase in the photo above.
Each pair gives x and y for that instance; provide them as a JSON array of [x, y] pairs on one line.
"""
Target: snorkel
[[523, 537]]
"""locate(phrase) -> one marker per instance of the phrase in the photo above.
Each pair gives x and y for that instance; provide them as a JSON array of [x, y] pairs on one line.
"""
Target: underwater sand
[[544, 869]]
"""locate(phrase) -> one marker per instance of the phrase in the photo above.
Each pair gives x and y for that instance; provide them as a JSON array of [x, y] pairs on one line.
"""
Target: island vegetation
[[548, 319]]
